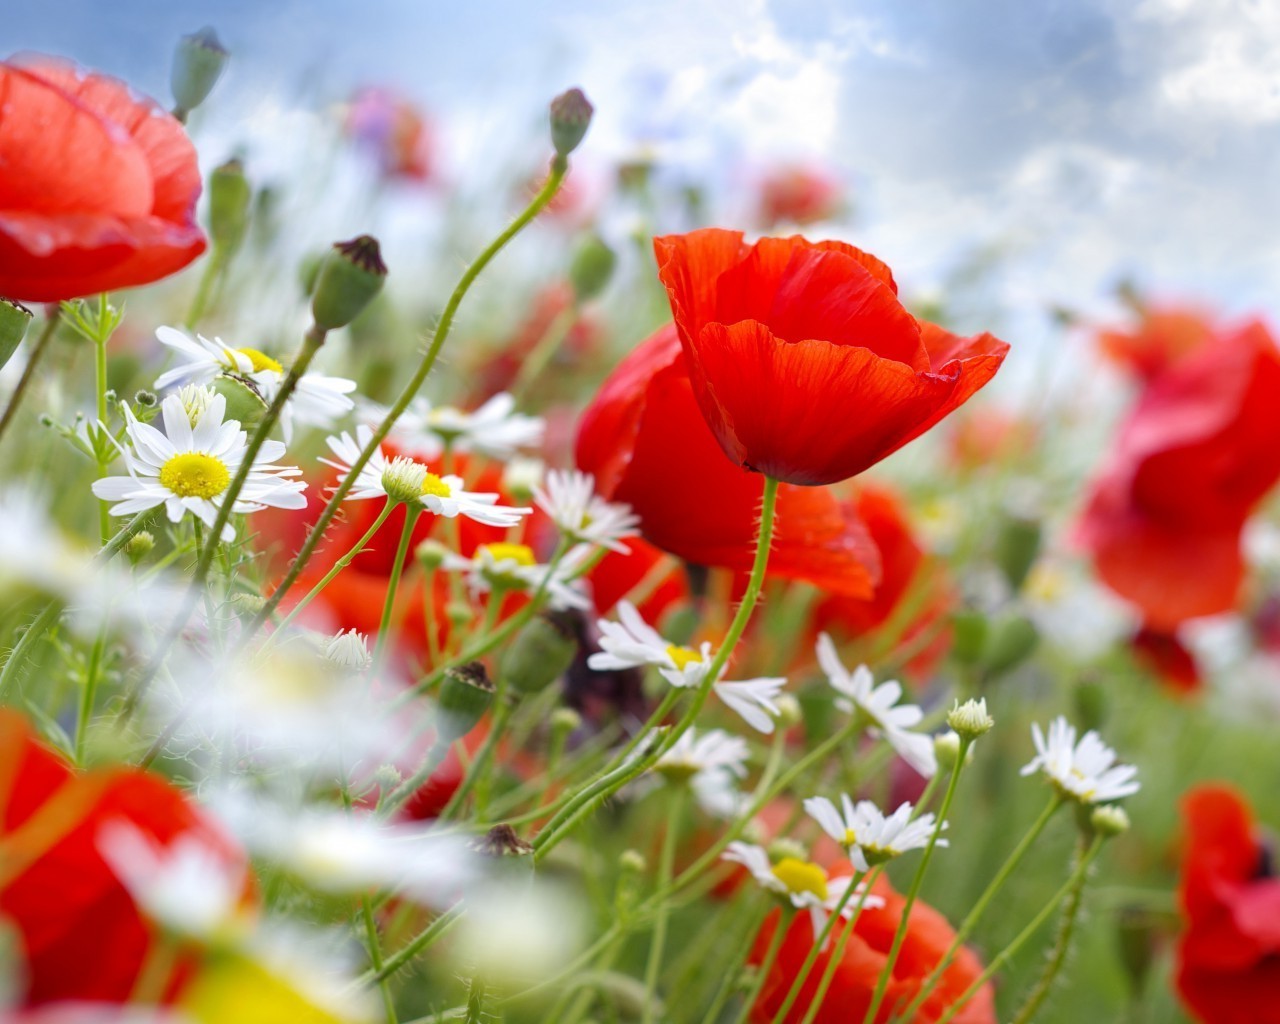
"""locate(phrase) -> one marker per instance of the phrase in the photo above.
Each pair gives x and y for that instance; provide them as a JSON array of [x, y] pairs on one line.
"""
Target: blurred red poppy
[[648, 445], [927, 938], [81, 936], [1229, 952], [99, 186], [800, 195], [1192, 460], [1169, 658], [1160, 338], [394, 131], [805, 364]]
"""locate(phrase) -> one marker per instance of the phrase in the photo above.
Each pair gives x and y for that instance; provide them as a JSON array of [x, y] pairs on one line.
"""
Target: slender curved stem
[[29, 371], [657, 942], [828, 975], [816, 947], [411, 515], [766, 964]]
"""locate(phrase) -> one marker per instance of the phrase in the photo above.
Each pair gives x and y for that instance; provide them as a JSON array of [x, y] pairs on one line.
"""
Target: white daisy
[[1085, 772], [317, 400], [804, 884], [189, 466], [403, 479], [712, 762], [495, 429], [188, 886], [880, 705], [568, 497], [869, 836], [350, 649], [507, 566]]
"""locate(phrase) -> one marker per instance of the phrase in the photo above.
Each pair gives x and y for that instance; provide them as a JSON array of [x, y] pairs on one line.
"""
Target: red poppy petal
[[689, 265]]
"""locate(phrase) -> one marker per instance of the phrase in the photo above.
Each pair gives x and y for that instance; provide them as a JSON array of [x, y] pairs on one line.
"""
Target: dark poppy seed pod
[[197, 65], [14, 319], [570, 117], [465, 696], [350, 277], [540, 654]]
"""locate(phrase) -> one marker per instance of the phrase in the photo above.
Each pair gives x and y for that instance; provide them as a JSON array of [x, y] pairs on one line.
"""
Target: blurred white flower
[[495, 429], [712, 762], [867, 833], [506, 566], [515, 934], [879, 704], [568, 497], [190, 466], [1085, 772]]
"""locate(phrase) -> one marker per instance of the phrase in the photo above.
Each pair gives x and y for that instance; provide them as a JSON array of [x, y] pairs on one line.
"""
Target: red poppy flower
[[81, 936], [1193, 459], [1169, 658], [799, 195], [99, 186], [1160, 339], [805, 364], [648, 445], [1229, 953], [910, 580], [928, 937]]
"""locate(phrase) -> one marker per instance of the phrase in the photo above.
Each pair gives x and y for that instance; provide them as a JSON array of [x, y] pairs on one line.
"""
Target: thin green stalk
[[423, 940], [544, 196], [979, 908], [201, 299], [886, 972], [734, 971], [657, 942], [484, 758], [837, 957], [375, 956], [766, 965], [411, 515], [544, 351], [1001, 958], [37, 354]]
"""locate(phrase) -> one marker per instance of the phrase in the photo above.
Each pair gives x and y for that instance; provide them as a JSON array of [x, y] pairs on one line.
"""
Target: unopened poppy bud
[[591, 267], [970, 719], [540, 654], [244, 403], [229, 195], [350, 277], [197, 65], [1109, 820], [1136, 933], [565, 721], [430, 554], [1012, 641], [465, 696], [969, 630], [137, 547], [14, 319], [570, 117], [502, 841], [1017, 547], [784, 848]]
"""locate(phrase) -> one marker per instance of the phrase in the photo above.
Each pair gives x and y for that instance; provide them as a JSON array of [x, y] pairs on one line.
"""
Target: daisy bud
[[540, 654], [591, 267], [632, 862], [946, 747], [565, 721], [570, 117], [1017, 547], [403, 478], [430, 554], [1109, 820], [229, 195], [789, 711], [137, 547], [970, 631], [784, 848], [970, 719], [14, 319], [387, 778], [465, 696], [521, 477], [197, 65], [1013, 640], [350, 277]]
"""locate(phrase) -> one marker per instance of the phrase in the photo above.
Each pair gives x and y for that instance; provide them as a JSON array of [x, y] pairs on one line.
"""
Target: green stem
[[887, 971], [548, 191], [1001, 958], [734, 971], [411, 516], [979, 908], [475, 1001], [29, 371], [837, 957], [657, 943], [375, 957], [544, 351], [435, 930], [766, 965], [480, 766]]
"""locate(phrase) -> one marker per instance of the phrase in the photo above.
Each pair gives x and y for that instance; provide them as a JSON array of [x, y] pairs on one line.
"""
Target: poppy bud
[[430, 554], [350, 277], [244, 403], [970, 631], [197, 66], [1013, 640], [229, 195], [14, 319], [465, 696], [540, 654], [570, 117], [1017, 546], [137, 547], [591, 267]]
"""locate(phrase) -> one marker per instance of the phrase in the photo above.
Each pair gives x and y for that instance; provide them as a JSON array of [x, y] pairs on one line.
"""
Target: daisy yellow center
[[850, 837], [260, 360], [521, 554], [195, 475], [801, 876], [433, 485], [683, 656]]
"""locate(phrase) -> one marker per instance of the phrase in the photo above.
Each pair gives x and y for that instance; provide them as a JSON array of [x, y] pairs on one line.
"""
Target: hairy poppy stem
[[657, 943], [33, 362]]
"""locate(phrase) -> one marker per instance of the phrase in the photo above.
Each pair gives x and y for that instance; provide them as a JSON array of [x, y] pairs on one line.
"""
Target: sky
[[1085, 141]]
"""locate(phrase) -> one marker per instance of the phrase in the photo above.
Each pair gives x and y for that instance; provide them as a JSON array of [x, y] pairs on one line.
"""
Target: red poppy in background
[[1160, 339], [1169, 658], [799, 195], [81, 936], [647, 444], [394, 131], [805, 364], [98, 189], [1194, 458], [989, 437], [1229, 952], [911, 581], [927, 938]]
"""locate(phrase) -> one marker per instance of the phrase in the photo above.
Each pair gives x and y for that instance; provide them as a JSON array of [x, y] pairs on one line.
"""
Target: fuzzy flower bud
[[570, 117], [229, 195], [198, 63], [633, 862], [137, 547], [1013, 640], [970, 719], [350, 277], [350, 649], [244, 402], [14, 319], [1109, 820], [403, 478]]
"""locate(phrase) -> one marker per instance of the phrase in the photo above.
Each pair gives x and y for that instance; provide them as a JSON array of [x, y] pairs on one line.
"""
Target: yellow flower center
[[801, 876], [432, 484], [195, 475], [260, 360], [521, 554], [850, 837], [683, 656]]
